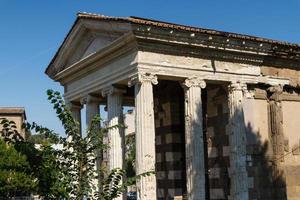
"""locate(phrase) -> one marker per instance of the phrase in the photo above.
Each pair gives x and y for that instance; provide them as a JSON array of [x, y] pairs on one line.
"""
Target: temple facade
[[216, 113]]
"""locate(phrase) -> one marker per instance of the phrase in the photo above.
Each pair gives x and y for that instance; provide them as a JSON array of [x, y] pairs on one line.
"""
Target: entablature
[[180, 67]]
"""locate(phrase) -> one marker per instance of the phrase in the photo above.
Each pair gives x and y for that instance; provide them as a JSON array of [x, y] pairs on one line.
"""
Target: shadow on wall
[[266, 179], [265, 173]]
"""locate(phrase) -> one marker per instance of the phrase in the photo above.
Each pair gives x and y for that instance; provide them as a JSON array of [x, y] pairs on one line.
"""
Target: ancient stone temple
[[216, 113]]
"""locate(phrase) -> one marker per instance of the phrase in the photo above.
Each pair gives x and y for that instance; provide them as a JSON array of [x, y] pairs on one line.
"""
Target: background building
[[16, 114]]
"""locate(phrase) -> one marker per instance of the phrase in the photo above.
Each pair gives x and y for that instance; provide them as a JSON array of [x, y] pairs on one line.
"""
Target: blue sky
[[32, 30]]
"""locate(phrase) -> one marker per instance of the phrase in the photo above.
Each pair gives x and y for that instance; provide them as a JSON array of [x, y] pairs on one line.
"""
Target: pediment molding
[[85, 38], [122, 45]]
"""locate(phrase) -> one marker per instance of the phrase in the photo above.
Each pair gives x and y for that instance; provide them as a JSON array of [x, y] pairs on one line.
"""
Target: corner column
[[237, 142], [92, 109], [75, 109], [145, 134], [116, 135], [194, 146]]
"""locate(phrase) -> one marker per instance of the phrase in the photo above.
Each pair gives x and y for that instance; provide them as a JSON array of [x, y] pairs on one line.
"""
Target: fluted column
[[92, 110], [194, 146], [145, 134], [75, 109], [238, 142], [115, 135]]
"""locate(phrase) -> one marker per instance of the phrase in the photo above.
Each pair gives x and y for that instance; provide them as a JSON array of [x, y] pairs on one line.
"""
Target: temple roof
[[103, 30], [162, 24]]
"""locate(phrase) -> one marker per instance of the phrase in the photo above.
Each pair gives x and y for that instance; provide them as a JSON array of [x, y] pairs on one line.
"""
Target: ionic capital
[[112, 90], [89, 99], [275, 92], [141, 78], [237, 86], [194, 81], [275, 89], [73, 105]]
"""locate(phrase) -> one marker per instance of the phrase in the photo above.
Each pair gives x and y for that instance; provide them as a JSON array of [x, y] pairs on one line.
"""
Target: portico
[[189, 87]]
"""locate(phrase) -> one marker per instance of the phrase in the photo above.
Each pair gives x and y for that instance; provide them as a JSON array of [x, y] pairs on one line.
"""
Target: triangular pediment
[[89, 44], [86, 38]]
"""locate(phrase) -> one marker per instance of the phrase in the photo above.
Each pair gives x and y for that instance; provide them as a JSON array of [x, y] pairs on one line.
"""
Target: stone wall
[[217, 142], [19, 120], [263, 183], [170, 145], [292, 74], [291, 128], [266, 177]]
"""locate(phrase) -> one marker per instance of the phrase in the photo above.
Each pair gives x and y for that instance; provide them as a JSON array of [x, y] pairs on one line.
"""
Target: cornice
[[214, 47], [62, 52]]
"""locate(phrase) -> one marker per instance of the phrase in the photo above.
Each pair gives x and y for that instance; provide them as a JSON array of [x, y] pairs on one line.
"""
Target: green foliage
[[36, 172], [130, 156], [15, 176], [69, 172], [39, 139], [48, 173], [9, 131]]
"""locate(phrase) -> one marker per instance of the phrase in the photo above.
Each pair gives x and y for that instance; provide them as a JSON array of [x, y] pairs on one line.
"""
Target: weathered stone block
[[212, 152], [286, 145], [216, 193], [210, 131], [173, 156], [175, 175], [226, 150], [158, 157], [296, 149], [214, 173], [250, 182], [174, 192], [158, 140], [160, 175], [227, 129], [172, 138]]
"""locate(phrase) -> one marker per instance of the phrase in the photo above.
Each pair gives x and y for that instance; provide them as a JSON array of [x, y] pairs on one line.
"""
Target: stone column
[[116, 135], [276, 127], [76, 113], [92, 109], [75, 109], [145, 134], [237, 142], [194, 146]]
